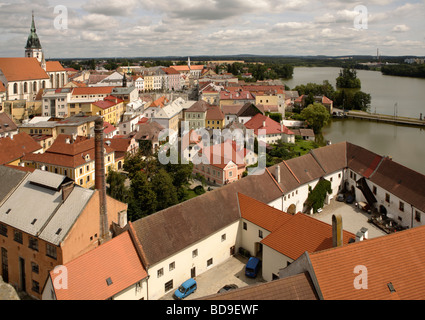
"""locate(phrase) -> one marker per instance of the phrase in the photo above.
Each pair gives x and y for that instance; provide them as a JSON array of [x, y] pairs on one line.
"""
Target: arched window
[[57, 81], [34, 86], [43, 84], [15, 88], [63, 80], [25, 87]]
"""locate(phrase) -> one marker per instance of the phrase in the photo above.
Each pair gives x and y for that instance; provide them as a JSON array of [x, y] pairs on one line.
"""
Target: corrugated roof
[[32, 214], [116, 260]]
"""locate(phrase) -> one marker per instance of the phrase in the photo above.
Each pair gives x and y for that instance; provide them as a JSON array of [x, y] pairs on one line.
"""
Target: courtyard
[[353, 218]]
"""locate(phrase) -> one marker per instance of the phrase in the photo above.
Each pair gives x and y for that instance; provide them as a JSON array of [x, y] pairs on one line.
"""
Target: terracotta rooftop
[[214, 113], [54, 66], [272, 127], [91, 90], [397, 258], [13, 149], [65, 154], [20, 69], [116, 260]]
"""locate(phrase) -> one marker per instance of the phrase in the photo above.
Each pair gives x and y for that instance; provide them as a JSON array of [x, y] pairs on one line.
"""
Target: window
[[35, 286], [168, 285], [17, 236], [401, 206], [194, 253], [245, 226], [374, 190], [33, 243], [417, 216], [223, 237], [160, 272], [260, 234], [387, 197], [88, 178], [3, 230], [172, 266], [209, 262], [35, 268], [51, 251]]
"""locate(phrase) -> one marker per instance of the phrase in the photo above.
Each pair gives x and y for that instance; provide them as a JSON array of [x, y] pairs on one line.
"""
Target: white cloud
[[401, 28]]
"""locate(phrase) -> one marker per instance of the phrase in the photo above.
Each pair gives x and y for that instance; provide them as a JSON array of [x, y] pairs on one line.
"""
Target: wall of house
[[251, 236], [185, 260], [137, 291], [273, 261], [33, 259]]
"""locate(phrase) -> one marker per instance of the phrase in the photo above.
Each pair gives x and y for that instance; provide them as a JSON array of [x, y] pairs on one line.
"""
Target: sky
[[152, 28]]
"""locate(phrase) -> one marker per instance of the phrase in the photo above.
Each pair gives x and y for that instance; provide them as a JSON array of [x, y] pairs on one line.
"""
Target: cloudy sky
[[146, 28]]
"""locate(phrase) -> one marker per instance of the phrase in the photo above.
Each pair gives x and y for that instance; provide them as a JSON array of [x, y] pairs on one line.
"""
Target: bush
[[199, 190]]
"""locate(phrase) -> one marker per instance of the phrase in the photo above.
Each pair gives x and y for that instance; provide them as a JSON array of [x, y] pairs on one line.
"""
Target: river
[[405, 144]]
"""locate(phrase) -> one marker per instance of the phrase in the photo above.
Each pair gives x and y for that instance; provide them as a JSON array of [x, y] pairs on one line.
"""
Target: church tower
[[33, 48]]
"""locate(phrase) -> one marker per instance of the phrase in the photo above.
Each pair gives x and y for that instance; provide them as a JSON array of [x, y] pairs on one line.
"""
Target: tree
[[361, 101], [316, 115], [143, 200], [166, 192], [117, 188], [348, 79]]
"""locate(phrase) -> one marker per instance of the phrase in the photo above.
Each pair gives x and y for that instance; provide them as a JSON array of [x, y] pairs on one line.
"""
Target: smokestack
[[336, 230], [100, 183]]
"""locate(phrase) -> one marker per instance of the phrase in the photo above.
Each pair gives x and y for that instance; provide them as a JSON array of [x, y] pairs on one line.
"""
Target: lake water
[[405, 144], [386, 91]]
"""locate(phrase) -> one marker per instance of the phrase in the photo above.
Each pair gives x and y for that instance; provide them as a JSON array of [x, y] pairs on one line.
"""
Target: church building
[[23, 78]]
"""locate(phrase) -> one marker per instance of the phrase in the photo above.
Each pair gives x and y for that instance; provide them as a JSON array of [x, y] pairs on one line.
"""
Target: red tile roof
[[2, 88], [261, 214], [271, 126], [91, 90], [290, 235], [65, 154], [300, 234], [116, 259], [397, 258], [54, 66], [214, 113], [21, 69], [12, 149]]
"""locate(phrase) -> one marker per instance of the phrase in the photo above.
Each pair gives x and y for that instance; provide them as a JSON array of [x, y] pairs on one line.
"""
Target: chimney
[[359, 236], [365, 233], [278, 173], [67, 189], [100, 183], [336, 230]]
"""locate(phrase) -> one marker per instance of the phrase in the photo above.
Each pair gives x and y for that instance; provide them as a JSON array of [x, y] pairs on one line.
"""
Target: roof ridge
[[290, 170], [273, 178]]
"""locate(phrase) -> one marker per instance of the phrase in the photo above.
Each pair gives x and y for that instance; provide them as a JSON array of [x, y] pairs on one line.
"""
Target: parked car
[[340, 198], [349, 199], [227, 287], [252, 267], [188, 287]]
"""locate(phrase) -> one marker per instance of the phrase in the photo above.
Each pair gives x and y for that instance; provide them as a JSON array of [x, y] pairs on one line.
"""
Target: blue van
[[187, 287], [252, 266]]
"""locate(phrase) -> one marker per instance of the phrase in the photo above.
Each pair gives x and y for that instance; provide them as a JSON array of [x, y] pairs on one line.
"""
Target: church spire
[[33, 48]]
